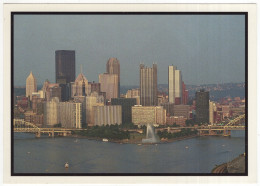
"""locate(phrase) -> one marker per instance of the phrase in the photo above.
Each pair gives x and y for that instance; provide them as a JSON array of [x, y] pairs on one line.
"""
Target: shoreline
[[127, 141]]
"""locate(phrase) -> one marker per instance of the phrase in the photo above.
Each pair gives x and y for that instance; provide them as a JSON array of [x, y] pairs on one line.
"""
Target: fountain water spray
[[150, 135]]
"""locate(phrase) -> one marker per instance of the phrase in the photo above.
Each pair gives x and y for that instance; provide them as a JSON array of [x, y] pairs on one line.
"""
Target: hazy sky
[[206, 48]]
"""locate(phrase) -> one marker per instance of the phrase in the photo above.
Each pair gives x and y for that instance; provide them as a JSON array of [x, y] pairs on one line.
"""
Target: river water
[[196, 155]]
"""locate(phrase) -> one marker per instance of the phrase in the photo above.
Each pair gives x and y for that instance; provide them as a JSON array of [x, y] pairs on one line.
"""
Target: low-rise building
[[143, 115], [107, 115]]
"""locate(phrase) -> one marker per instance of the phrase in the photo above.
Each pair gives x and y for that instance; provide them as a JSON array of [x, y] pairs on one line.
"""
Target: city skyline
[[181, 42]]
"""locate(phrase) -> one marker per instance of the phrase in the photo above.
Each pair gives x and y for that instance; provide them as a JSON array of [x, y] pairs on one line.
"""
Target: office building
[[51, 112], [143, 115], [202, 106], [51, 90], [169, 107], [70, 114], [113, 67], [126, 104], [134, 93], [176, 88], [109, 85], [107, 115], [80, 87], [171, 83], [182, 110], [65, 71], [31, 85], [178, 120], [65, 66], [148, 85], [212, 110], [94, 99]]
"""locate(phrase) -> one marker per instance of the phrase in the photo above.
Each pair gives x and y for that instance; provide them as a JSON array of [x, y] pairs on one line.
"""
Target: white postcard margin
[[252, 96]]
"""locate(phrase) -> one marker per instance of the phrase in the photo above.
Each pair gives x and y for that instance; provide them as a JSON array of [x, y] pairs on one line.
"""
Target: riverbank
[[133, 141], [237, 165]]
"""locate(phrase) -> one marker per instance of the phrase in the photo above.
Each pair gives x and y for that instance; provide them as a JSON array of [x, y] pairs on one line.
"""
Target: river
[[195, 155]]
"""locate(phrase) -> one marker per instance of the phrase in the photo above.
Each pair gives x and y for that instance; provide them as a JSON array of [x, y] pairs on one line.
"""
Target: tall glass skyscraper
[[174, 85], [202, 106], [65, 71], [148, 85]]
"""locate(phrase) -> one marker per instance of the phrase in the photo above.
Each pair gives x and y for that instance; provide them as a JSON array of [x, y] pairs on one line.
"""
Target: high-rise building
[[126, 104], [113, 67], [80, 87], [51, 112], [65, 71], [70, 114], [148, 85], [65, 66], [212, 110], [171, 83], [109, 84], [134, 93], [94, 99], [175, 86], [143, 115], [202, 106], [31, 85], [182, 110], [184, 94], [107, 115]]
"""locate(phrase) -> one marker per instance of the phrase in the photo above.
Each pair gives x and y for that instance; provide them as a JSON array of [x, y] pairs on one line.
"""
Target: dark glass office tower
[[65, 71], [126, 104], [65, 66], [202, 106]]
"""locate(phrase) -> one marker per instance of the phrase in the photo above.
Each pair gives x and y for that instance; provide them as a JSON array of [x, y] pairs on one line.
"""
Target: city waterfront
[[195, 155]]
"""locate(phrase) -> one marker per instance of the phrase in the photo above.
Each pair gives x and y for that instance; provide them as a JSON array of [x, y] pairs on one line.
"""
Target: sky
[[208, 49]]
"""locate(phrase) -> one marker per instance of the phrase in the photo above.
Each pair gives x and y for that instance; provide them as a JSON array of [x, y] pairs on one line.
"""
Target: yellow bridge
[[23, 126]]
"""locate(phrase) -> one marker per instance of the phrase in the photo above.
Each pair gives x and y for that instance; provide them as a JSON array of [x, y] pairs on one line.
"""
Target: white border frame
[[252, 127]]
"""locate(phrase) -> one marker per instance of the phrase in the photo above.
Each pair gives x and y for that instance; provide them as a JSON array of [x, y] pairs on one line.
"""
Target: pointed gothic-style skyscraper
[[31, 85]]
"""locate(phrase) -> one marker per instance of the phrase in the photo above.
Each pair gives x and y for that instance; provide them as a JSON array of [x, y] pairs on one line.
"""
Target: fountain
[[150, 135]]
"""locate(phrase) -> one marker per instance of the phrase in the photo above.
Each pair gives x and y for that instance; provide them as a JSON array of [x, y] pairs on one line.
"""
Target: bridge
[[213, 130], [23, 126]]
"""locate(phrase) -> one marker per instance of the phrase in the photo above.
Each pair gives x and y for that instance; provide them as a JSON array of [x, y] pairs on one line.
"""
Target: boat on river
[[105, 139], [66, 165]]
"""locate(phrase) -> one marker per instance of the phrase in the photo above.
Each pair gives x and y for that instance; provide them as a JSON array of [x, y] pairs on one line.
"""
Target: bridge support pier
[[38, 134], [64, 133]]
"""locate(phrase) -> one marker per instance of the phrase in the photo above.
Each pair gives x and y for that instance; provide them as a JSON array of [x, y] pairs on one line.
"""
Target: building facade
[[182, 110], [202, 106], [109, 84], [65, 71], [70, 114], [126, 104], [107, 115], [94, 99], [31, 85], [143, 115], [80, 87], [51, 112], [113, 67], [148, 85]]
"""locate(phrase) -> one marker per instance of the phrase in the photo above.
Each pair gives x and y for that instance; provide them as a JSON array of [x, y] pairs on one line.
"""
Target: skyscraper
[[202, 106], [65, 71], [80, 87], [109, 84], [113, 67], [31, 85], [171, 83], [174, 85], [65, 66], [148, 85], [126, 104]]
